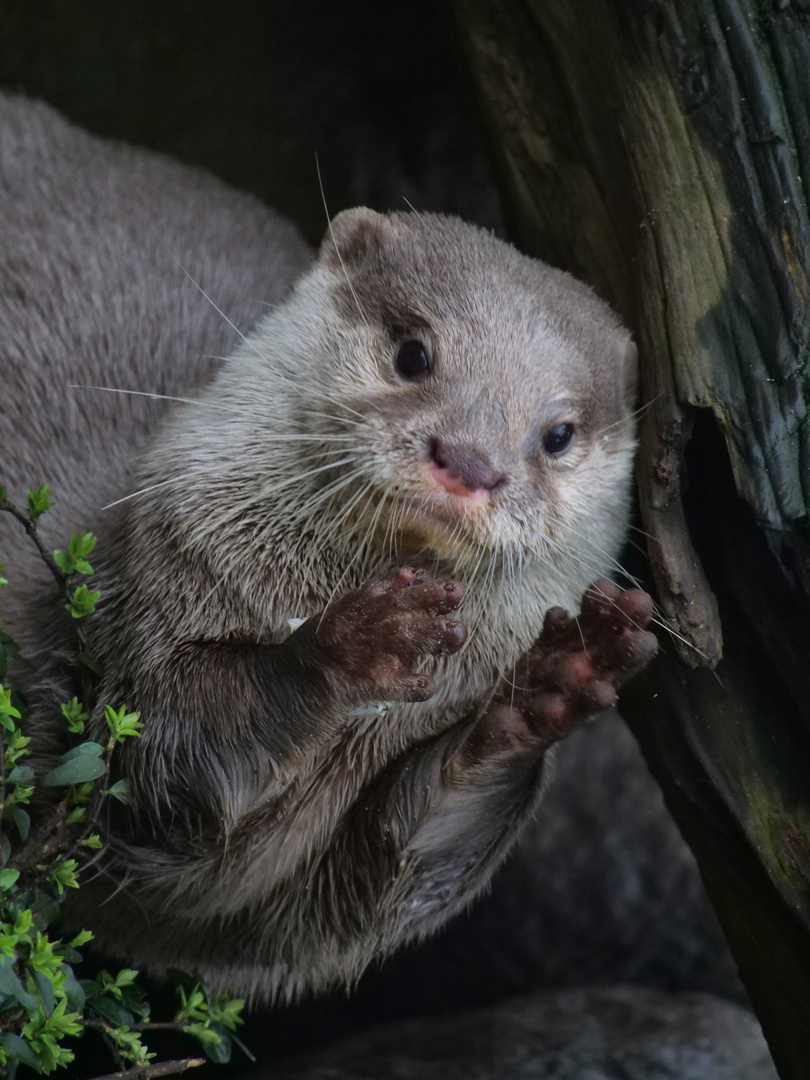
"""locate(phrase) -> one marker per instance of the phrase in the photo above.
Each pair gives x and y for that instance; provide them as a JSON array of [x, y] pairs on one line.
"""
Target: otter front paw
[[571, 673], [372, 638]]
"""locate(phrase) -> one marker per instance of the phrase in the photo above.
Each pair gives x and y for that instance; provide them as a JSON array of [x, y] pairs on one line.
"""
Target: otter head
[[487, 397]]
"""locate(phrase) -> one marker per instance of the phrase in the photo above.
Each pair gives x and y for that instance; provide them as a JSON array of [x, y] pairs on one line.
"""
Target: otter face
[[489, 396]]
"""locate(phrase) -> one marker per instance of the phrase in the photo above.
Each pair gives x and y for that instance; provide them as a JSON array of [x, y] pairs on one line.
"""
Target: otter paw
[[373, 637], [572, 672]]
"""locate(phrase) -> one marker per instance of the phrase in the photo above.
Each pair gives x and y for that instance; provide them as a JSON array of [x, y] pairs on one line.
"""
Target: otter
[[337, 550]]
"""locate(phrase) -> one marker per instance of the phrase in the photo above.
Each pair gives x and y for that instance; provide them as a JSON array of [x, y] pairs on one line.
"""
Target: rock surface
[[621, 1033]]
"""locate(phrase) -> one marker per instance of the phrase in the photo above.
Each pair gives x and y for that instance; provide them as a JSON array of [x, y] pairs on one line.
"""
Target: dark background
[[253, 89]]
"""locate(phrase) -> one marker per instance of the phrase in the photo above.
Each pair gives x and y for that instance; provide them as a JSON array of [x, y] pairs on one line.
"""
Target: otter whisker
[[262, 497], [309, 394], [414, 211], [157, 397], [304, 512], [267, 437], [196, 285], [145, 491], [609, 559], [658, 618], [265, 492], [337, 419], [337, 249], [358, 553], [631, 417]]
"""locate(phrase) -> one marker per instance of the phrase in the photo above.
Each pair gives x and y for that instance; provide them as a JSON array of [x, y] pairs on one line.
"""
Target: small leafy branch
[[42, 1002]]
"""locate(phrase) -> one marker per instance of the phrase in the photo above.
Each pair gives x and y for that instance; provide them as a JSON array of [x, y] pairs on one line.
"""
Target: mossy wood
[[661, 150]]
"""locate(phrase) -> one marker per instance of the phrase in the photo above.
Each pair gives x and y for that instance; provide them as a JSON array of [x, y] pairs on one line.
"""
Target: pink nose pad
[[464, 470]]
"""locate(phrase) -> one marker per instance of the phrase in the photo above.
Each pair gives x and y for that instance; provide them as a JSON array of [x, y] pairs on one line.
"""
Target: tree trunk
[[657, 149]]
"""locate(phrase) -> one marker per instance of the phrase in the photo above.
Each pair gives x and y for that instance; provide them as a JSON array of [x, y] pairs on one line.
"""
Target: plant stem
[[146, 1025], [61, 579], [3, 769], [31, 529], [161, 1068], [43, 842]]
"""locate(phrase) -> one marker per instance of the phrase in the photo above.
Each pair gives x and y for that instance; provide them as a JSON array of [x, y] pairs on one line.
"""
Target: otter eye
[[557, 439], [412, 361]]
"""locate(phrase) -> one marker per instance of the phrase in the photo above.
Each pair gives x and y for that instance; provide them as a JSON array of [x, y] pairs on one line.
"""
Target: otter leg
[[364, 648], [368, 641], [428, 836], [570, 674]]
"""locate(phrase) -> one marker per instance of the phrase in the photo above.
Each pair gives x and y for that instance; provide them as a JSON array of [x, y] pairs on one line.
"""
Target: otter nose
[[464, 467]]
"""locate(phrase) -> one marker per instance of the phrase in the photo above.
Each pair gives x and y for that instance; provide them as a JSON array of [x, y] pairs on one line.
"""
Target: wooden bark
[[660, 150]]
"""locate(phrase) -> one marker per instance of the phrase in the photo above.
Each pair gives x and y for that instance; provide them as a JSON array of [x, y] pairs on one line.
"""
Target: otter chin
[[444, 517], [420, 396]]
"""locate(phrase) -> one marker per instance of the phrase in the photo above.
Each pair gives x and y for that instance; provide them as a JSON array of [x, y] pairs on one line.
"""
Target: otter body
[[427, 427]]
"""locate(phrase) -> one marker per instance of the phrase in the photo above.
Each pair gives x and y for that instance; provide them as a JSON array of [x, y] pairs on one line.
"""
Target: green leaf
[[75, 715], [8, 877], [44, 909], [90, 662], [45, 990], [134, 998], [5, 849], [81, 938], [82, 544], [77, 771], [64, 875], [93, 842], [20, 794], [63, 561], [7, 710], [73, 991], [46, 915], [23, 921], [125, 977], [121, 723], [93, 749], [120, 791], [219, 1053], [39, 501], [205, 1034], [48, 1029], [11, 986], [73, 560], [110, 1011], [83, 602], [20, 819], [9, 650], [8, 946], [226, 1011], [22, 774], [19, 1050]]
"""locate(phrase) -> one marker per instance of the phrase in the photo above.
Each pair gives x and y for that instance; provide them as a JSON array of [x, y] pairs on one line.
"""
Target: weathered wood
[[658, 150]]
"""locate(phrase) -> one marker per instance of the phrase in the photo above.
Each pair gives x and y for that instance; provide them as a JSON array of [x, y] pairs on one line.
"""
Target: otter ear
[[353, 236]]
